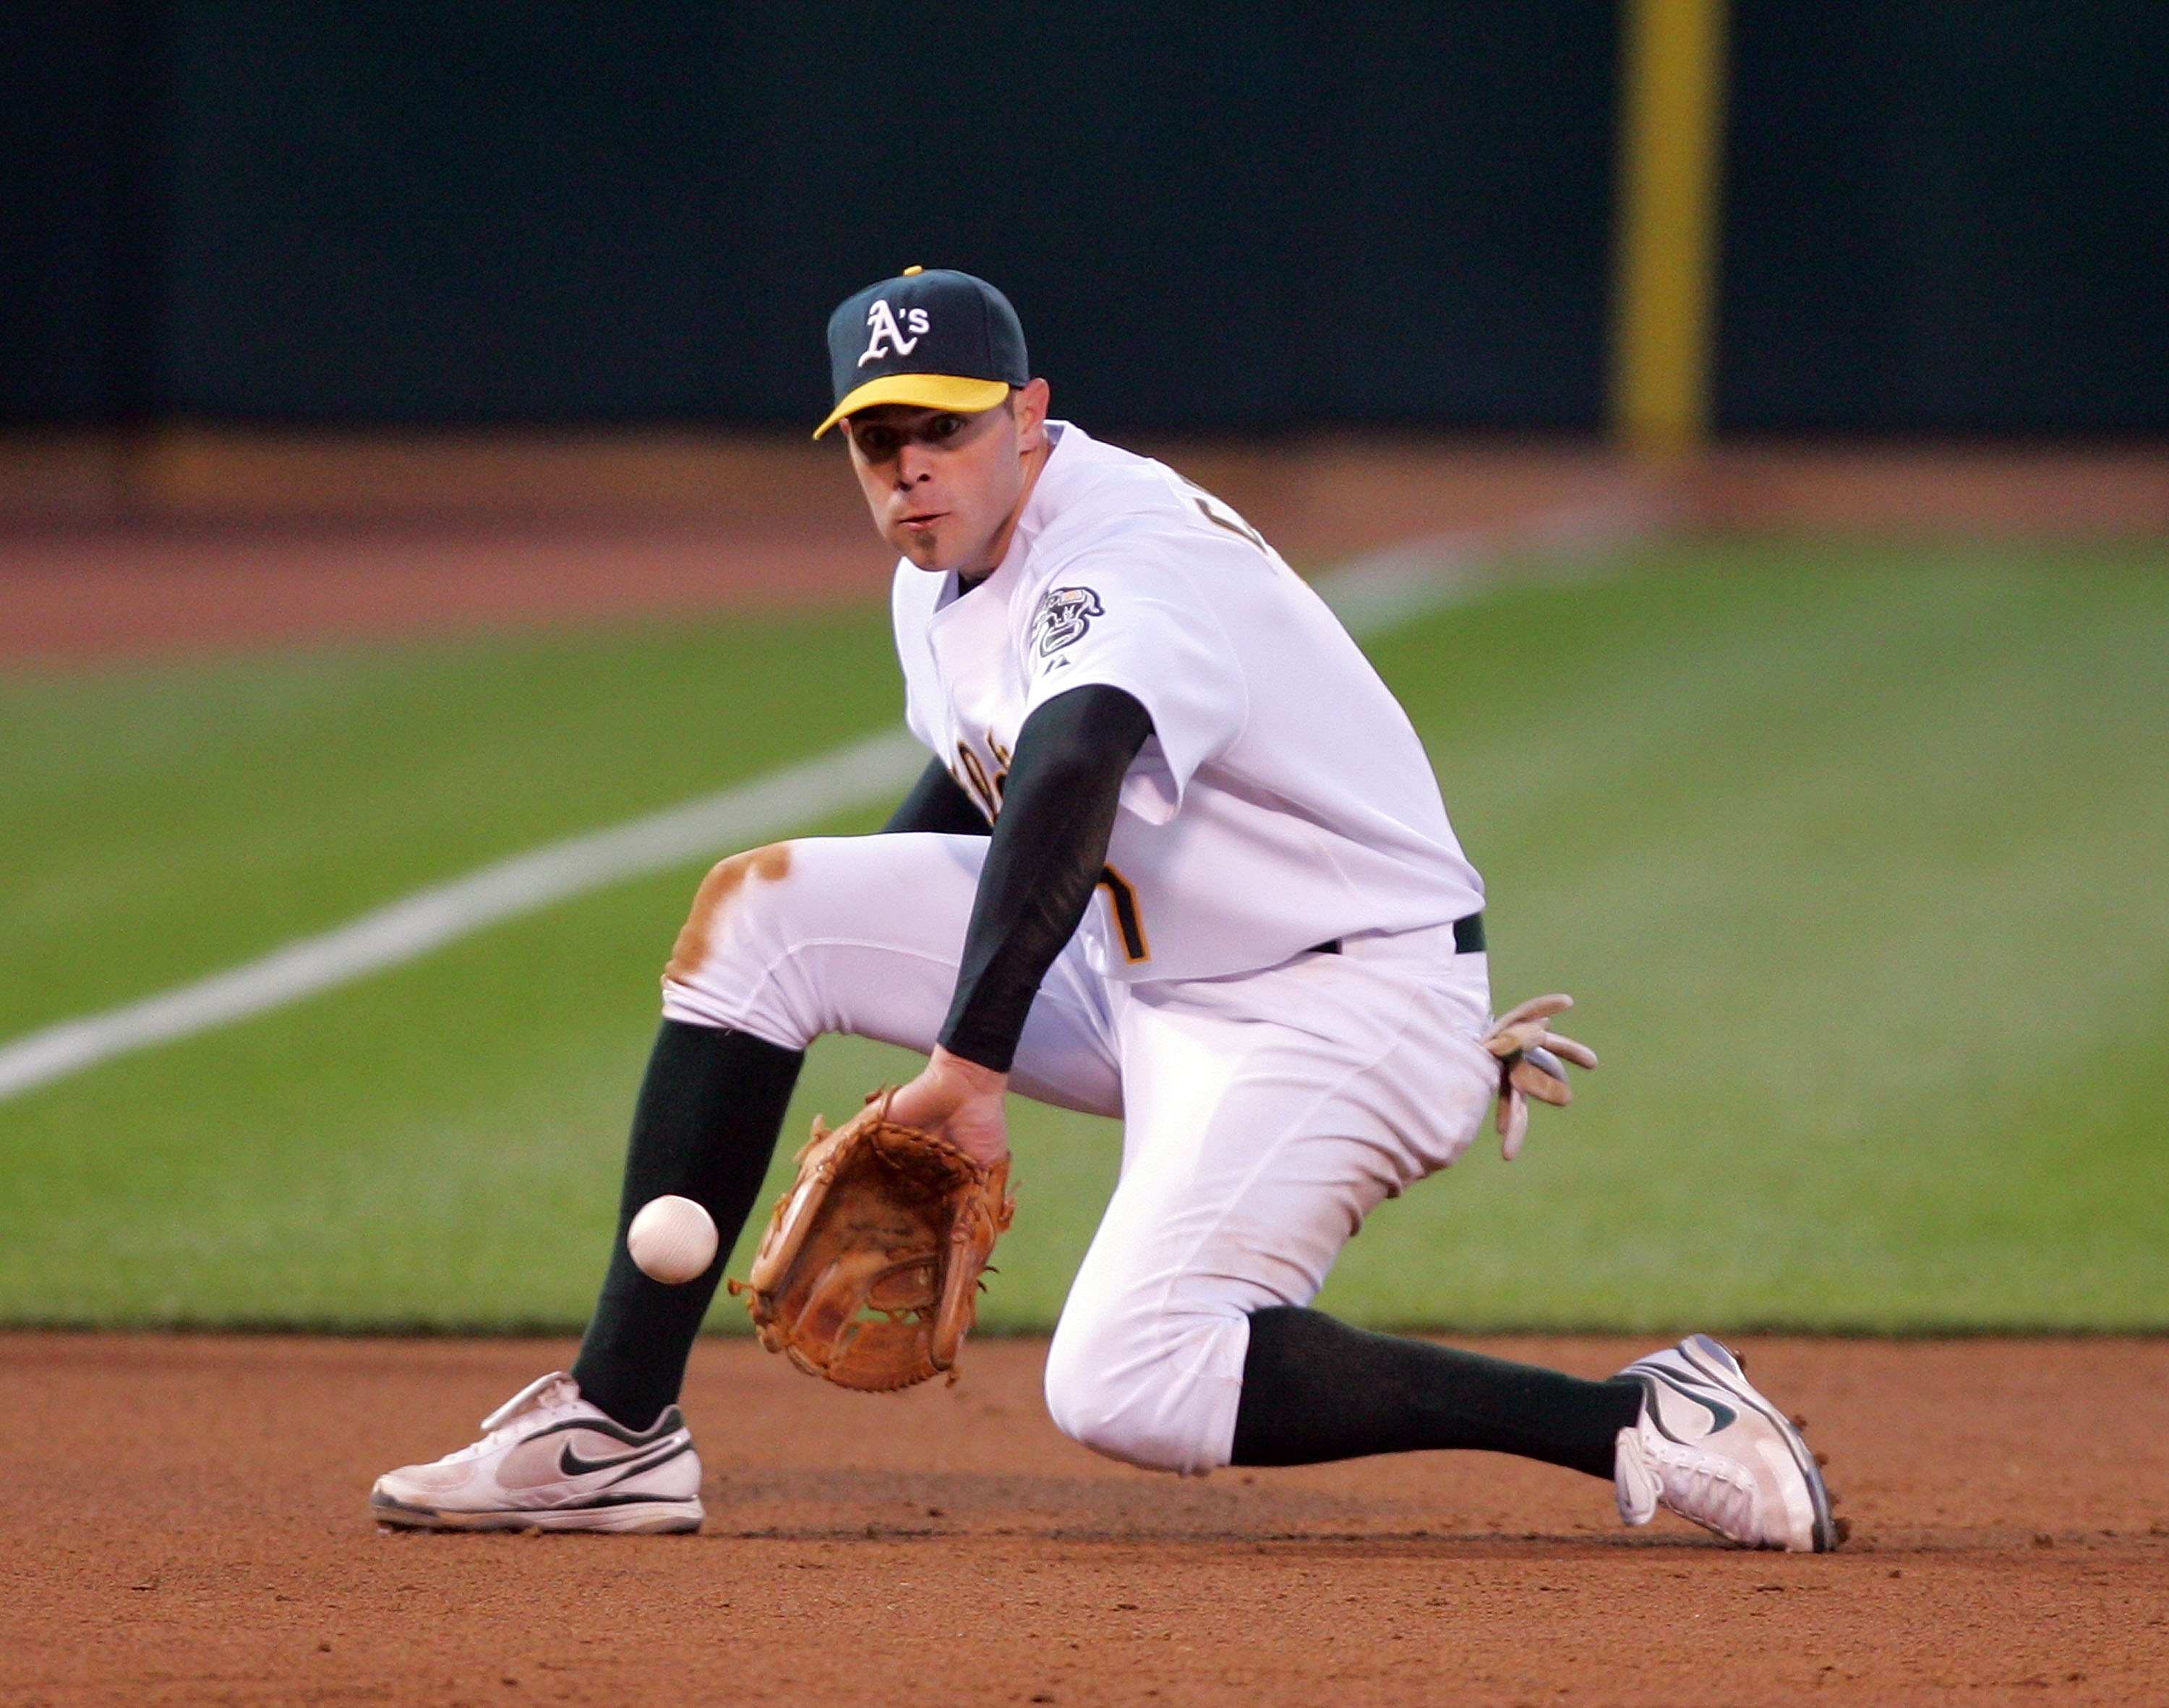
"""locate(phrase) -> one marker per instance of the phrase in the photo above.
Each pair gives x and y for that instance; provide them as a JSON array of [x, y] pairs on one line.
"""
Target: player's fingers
[[1513, 1125], [1546, 1084], [1504, 1041], [1536, 1008], [1580, 1054]]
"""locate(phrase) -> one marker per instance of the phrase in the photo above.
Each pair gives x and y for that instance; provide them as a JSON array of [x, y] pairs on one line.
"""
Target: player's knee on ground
[[1156, 1388]]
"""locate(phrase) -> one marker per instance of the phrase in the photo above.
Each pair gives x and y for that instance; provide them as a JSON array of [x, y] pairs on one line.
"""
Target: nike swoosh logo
[[572, 1464], [1723, 1416]]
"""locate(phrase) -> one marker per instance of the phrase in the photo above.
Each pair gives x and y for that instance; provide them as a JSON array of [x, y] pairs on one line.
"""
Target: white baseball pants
[[1264, 1114]]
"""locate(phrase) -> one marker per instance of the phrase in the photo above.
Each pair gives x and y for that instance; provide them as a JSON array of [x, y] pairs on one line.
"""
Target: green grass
[[1852, 857]]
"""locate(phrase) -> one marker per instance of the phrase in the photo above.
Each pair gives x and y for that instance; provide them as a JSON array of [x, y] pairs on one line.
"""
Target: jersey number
[[1122, 897]]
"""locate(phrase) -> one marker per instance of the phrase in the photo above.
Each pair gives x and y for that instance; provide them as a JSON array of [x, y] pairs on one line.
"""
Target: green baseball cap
[[933, 340]]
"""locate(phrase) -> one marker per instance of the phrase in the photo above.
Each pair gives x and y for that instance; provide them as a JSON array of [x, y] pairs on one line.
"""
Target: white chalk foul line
[[1371, 595], [429, 919]]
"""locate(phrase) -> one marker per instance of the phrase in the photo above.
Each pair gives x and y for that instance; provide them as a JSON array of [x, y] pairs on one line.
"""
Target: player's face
[[944, 488]]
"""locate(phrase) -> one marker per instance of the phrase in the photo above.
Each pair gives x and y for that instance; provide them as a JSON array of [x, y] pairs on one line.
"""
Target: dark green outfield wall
[[1212, 216], [1239, 215], [1947, 216]]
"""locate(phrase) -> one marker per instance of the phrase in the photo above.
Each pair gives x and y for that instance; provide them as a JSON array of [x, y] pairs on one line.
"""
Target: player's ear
[[1029, 403]]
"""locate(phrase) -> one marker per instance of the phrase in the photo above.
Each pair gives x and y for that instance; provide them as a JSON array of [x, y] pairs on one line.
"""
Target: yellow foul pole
[[1666, 254]]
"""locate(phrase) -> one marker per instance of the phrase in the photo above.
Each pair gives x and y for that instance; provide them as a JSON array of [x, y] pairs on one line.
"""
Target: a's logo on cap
[[885, 331]]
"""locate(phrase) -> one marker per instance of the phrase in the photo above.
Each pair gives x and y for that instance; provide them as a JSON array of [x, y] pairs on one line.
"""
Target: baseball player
[[1178, 858]]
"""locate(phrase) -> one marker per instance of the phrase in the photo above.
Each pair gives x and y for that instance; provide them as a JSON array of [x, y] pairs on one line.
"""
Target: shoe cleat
[[1710, 1447], [550, 1460]]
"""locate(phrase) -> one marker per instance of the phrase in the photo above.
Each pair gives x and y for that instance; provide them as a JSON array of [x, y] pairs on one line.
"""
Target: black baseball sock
[[704, 1127], [1314, 1389]]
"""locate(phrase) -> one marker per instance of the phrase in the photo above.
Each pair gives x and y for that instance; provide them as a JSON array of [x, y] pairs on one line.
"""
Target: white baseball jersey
[[1283, 800]]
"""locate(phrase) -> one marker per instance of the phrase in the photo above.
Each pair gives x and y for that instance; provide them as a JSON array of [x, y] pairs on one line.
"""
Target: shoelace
[[544, 1391], [551, 1393], [1710, 1489]]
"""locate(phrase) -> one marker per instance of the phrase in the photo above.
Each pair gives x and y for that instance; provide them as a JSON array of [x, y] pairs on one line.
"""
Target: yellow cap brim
[[919, 392]]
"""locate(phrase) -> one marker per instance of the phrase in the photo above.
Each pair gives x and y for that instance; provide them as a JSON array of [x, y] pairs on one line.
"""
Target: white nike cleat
[[549, 1461], [1712, 1450]]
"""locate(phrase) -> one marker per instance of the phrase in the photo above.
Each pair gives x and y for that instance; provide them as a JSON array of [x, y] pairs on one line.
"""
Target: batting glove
[[1529, 1054]]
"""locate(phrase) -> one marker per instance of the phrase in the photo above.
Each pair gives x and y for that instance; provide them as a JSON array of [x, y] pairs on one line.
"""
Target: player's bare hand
[[961, 1100]]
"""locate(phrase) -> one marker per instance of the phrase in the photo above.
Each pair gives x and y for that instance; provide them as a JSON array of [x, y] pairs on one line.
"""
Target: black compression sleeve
[[937, 802], [1049, 848]]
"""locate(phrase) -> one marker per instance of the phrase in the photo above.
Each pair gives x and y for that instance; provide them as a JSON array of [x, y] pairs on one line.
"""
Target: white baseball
[[672, 1239]]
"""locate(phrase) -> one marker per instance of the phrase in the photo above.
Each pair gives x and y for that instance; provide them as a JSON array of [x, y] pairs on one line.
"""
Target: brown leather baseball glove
[[1529, 1054], [869, 1272]]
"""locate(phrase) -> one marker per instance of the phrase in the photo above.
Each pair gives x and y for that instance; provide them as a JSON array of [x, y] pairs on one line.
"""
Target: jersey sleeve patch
[[1133, 618], [1063, 618]]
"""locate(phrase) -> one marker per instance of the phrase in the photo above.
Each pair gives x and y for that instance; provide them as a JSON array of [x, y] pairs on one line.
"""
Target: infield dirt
[[187, 1524]]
